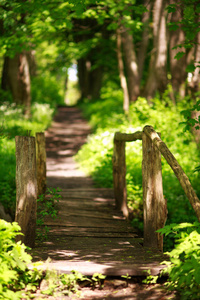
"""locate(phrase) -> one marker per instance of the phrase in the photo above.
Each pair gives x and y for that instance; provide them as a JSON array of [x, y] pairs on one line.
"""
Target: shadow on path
[[89, 235]]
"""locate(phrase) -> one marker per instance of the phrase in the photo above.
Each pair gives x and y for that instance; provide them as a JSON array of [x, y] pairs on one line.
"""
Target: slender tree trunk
[[96, 82], [121, 73], [157, 79], [84, 66], [130, 64], [195, 83], [4, 78], [177, 66], [145, 39], [16, 78]]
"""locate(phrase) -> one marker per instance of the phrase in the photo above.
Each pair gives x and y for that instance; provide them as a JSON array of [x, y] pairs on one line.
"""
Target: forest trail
[[89, 235]]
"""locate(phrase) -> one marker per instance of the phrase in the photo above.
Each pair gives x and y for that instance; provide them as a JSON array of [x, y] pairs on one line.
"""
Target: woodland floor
[[89, 235]]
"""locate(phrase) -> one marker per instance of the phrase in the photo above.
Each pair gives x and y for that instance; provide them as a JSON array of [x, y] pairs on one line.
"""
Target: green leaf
[[179, 55], [190, 68], [171, 8]]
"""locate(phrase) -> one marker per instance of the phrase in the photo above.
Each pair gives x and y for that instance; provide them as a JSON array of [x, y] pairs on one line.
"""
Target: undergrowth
[[95, 157], [13, 123], [22, 279]]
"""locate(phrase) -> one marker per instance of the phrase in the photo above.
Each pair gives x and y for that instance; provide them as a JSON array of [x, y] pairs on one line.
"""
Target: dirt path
[[90, 235]]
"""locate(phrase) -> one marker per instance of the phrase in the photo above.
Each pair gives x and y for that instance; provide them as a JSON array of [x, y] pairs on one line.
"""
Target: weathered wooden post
[[178, 171], [154, 204], [26, 188], [119, 176], [41, 162]]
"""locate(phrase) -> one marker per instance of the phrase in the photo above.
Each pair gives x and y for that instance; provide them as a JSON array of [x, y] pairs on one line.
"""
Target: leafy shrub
[[17, 281], [184, 264], [13, 262], [45, 89], [42, 113]]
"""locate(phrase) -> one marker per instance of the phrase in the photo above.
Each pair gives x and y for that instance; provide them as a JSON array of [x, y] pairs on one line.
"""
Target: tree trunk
[[157, 79], [195, 82], [121, 73], [145, 39], [90, 79], [130, 64], [83, 76], [16, 78], [4, 78], [96, 76], [177, 66]]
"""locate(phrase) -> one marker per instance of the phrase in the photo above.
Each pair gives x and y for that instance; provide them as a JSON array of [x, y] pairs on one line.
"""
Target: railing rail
[[154, 204]]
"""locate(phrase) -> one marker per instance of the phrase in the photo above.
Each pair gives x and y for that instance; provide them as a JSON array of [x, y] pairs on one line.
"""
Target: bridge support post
[[41, 162], [119, 176], [26, 188], [154, 204]]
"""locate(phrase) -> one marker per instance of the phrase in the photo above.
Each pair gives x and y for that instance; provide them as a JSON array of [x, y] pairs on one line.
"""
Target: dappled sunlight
[[89, 233]]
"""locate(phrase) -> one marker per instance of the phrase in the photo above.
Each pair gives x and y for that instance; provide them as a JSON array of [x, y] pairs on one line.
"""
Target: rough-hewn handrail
[[128, 137], [178, 171], [154, 204], [119, 168]]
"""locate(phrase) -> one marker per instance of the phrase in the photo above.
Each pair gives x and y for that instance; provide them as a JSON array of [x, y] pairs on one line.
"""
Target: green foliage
[[97, 280], [47, 206], [42, 113], [95, 157], [17, 281], [14, 274], [184, 264], [59, 285], [47, 90], [150, 279], [189, 22], [14, 123]]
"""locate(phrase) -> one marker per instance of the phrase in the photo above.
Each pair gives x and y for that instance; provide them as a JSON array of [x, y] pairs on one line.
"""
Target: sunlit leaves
[[184, 266]]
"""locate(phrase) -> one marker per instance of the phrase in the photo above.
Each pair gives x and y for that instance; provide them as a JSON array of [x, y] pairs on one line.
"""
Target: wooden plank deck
[[89, 235]]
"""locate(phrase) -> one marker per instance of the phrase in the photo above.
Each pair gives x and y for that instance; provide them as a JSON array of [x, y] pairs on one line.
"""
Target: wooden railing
[[154, 203]]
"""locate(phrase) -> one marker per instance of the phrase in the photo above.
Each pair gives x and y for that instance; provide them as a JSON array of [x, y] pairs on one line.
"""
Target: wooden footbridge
[[90, 234]]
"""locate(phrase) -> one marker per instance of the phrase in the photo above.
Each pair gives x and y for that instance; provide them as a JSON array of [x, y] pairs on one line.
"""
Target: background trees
[[107, 40]]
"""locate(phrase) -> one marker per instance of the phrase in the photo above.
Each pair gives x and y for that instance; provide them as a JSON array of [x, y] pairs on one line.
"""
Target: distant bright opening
[[72, 73]]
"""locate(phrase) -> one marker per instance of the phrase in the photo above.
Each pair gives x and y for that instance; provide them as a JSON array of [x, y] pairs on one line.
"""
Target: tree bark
[[157, 79], [121, 72], [130, 64], [90, 78], [155, 208], [178, 171], [145, 39], [16, 78], [177, 66], [26, 188]]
